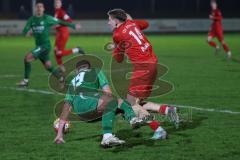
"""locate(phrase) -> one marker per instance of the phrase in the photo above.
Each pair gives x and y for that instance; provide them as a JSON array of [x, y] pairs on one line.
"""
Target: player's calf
[[226, 49]]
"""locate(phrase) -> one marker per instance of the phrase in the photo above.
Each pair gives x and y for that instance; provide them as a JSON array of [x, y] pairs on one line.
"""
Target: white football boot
[[229, 55], [136, 122], [111, 141], [159, 134], [23, 83]]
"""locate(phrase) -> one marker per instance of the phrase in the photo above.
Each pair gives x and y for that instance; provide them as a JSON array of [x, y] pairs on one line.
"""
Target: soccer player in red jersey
[[62, 36], [130, 40], [216, 29]]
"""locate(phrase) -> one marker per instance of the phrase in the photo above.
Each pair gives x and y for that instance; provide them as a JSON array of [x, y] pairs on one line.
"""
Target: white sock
[[25, 80], [107, 135], [166, 111], [75, 50]]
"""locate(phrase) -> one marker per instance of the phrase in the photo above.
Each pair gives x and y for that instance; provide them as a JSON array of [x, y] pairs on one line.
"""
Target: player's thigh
[[219, 34], [29, 57], [61, 41], [41, 53], [211, 35], [107, 103], [65, 37], [44, 57], [141, 86]]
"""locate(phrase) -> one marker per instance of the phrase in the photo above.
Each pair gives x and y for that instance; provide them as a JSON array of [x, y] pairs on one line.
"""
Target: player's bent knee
[[48, 65], [209, 39], [28, 58], [223, 42]]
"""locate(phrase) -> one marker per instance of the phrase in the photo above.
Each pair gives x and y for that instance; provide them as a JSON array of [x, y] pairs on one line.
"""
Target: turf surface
[[200, 79]]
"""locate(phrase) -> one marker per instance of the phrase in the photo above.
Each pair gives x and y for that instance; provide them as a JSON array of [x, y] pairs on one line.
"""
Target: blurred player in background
[[62, 36], [90, 97], [216, 29], [128, 32], [39, 26]]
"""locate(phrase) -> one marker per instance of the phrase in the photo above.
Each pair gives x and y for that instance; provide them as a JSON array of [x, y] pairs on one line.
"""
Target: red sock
[[66, 52], [225, 47], [162, 109], [154, 125], [213, 44]]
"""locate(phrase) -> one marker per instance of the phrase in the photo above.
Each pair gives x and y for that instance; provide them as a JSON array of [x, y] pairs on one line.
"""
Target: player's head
[[213, 4], [39, 9], [58, 4], [83, 64], [116, 17]]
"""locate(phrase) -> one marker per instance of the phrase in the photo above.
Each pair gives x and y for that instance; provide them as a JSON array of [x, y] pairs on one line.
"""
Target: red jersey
[[217, 17], [129, 39], [62, 15]]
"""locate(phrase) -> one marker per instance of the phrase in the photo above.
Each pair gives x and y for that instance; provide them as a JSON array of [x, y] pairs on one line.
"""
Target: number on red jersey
[[137, 35]]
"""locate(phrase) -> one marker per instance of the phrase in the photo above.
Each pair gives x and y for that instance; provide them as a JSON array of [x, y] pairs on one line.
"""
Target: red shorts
[[142, 80], [60, 44], [216, 31]]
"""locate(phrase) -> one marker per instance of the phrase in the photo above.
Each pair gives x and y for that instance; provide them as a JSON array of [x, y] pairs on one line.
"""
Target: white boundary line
[[45, 92]]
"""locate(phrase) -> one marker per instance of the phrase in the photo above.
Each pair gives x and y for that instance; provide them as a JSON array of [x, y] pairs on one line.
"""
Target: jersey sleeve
[[142, 24], [27, 27], [102, 79], [54, 21], [117, 52], [66, 17]]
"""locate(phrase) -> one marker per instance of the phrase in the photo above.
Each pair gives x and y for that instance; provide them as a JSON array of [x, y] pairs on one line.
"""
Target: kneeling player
[[90, 97], [144, 60]]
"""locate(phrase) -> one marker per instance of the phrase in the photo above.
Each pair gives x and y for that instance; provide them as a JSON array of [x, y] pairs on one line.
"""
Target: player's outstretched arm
[[142, 24], [118, 53], [63, 118], [54, 21]]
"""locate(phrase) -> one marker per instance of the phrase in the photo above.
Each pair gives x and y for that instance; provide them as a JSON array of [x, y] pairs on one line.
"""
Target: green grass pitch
[[200, 79]]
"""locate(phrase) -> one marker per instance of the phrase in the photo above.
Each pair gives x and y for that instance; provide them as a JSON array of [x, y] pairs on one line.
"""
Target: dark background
[[96, 9]]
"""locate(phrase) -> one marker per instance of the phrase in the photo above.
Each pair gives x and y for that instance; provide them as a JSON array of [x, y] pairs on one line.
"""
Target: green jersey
[[85, 90], [40, 27]]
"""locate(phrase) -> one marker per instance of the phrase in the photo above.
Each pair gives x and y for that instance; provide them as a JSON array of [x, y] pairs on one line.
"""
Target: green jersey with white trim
[[87, 84], [40, 27]]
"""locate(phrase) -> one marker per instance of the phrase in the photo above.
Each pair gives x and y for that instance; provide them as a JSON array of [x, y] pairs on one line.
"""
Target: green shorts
[[41, 53], [83, 104]]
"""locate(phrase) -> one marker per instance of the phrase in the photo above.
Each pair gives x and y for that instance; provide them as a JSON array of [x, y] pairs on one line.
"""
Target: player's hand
[[59, 140], [211, 16], [78, 26], [29, 33]]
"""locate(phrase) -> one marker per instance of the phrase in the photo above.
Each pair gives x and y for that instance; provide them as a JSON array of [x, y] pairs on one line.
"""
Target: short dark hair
[[39, 2], [119, 14], [213, 1], [83, 63]]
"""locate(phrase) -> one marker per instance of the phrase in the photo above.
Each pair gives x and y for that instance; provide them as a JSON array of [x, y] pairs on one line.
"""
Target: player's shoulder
[[31, 18], [117, 35], [49, 17]]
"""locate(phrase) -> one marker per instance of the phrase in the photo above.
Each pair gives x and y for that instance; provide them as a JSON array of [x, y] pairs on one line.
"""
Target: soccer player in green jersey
[[39, 25], [90, 97]]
